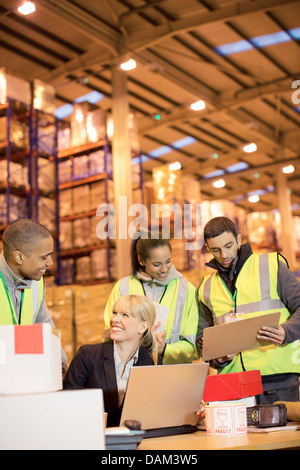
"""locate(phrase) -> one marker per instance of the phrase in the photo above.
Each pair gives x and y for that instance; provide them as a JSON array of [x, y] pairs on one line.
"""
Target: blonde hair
[[142, 308]]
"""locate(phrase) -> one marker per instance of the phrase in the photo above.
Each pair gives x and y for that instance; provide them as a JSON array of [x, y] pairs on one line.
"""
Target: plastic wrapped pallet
[[43, 96], [19, 133], [97, 194], [18, 174], [46, 175], [81, 167], [17, 208], [96, 162], [65, 171], [81, 199], [78, 124], [81, 232], [65, 202], [66, 235], [59, 300], [14, 87], [47, 213], [67, 271], [64, 139], [90, 302], [99, 264], [83, 269], [95, 125]]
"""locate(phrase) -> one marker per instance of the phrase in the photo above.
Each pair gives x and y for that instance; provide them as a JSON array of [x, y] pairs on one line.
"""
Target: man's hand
[[273, 335], [225, 358], [160, 338]]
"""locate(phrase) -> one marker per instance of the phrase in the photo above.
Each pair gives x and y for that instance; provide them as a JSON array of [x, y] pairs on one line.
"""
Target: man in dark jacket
[[262, 284]]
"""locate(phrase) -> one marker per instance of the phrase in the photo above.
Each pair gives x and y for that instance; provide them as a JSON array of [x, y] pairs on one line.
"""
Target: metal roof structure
[[242, 58]]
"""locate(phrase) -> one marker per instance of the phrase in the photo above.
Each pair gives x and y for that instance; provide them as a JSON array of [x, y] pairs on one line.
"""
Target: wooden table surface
[[201, 441]]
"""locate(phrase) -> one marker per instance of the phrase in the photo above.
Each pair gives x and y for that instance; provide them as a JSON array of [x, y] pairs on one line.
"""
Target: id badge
[[162, 314]]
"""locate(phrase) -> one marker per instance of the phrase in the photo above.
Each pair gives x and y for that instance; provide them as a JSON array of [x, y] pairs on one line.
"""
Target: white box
[[66, 420], [14, 87], [30, 359]]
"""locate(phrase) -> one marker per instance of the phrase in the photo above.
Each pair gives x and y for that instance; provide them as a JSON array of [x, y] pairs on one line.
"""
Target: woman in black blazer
[[106, 365]]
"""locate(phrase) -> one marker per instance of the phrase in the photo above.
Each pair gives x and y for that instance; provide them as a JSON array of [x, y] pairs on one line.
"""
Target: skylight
[[64, 111], [237, 167], [184, 142], [92, 97], [259, 42], [160, 151], [213, 174]]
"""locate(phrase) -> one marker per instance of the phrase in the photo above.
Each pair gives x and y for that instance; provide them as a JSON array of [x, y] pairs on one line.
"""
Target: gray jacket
[[14, 286]]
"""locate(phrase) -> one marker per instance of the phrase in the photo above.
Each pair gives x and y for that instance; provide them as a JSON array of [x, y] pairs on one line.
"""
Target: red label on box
[[29, 339]]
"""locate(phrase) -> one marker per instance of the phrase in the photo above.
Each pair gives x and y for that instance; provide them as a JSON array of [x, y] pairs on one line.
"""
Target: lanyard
[[162, 295], [13, 314]]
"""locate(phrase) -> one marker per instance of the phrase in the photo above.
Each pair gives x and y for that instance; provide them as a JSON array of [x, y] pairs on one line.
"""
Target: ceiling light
[[198, 105], [27, 8], [288, 169], [254, 198], [129, 65], [219, 183], [175, 166], [249, 148]]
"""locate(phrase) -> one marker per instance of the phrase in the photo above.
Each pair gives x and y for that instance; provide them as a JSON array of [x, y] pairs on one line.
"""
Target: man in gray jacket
[[26, 256]]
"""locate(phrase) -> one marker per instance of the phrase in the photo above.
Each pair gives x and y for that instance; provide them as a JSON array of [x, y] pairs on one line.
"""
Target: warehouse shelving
[[88, 179], [15, 159]]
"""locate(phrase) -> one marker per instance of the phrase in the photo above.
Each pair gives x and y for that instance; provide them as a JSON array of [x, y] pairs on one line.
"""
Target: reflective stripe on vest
[[31, 304], [174, 298], [256, 294]]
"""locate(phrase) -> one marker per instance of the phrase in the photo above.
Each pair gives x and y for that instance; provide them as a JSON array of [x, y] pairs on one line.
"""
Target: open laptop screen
[[164, 396]]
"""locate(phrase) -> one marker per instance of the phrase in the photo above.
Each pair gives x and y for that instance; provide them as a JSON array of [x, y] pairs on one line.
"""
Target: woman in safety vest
[[175, 299], [247, 285]]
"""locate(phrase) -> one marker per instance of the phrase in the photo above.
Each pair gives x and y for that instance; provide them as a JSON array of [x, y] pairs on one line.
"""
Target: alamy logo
[[296, 94], [186, 222]]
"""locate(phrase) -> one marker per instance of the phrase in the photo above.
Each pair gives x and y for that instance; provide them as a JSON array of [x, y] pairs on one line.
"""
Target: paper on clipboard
[[236, 336]]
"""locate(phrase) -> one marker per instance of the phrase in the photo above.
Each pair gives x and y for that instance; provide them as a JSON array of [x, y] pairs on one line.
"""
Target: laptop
[[165, 398]]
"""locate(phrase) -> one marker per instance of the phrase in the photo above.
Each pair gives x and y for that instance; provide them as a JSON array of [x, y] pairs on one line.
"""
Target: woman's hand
[[160, 338]]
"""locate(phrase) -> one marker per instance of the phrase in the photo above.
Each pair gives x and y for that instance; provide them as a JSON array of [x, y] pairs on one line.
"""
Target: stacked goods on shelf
[[89, 308], [167, 188], [16, 206], [263, 229], [60, 303], [87, 124], [85, 183], [14, 148]]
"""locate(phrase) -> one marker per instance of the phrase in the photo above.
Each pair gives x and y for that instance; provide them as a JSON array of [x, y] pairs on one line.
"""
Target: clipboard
[[236, 336]]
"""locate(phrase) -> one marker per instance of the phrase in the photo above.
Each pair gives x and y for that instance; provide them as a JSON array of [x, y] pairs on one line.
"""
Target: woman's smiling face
[[159, 263], [125, 327]]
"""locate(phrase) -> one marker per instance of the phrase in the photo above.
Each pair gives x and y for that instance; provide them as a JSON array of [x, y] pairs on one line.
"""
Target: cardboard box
[[232, 386], [30, 359], [66, 420]]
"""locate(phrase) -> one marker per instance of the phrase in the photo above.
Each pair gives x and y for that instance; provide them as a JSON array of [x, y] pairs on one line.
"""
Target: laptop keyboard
[[170, 431]]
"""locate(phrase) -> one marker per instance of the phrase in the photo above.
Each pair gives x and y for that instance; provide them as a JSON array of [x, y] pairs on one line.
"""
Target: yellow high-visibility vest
[[255, 294], [179, 296], [31, 300]]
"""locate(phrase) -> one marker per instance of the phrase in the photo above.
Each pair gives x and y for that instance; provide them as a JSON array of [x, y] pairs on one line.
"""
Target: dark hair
[[141, 246], [22, 235], [219, 225]]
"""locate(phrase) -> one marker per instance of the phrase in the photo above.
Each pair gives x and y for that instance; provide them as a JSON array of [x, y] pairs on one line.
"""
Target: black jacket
[[93, 366]]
